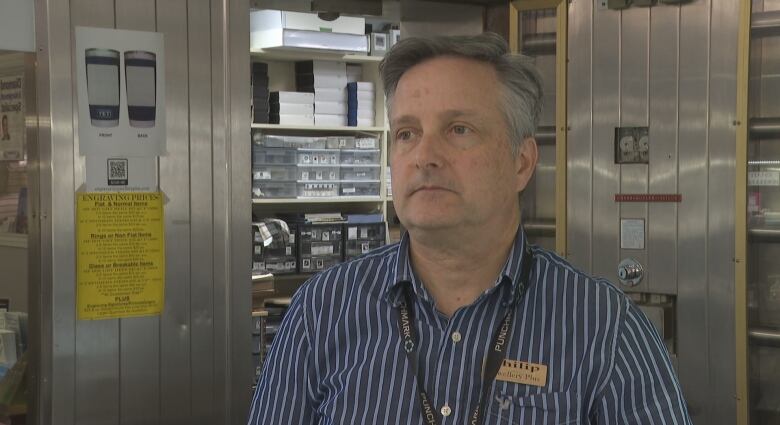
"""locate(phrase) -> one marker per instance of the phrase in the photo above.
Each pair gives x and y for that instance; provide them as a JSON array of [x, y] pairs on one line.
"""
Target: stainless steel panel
[[580, 153], [240, 217], [421, 18], [694, 112], [55, 326], [606, 80], [662, 217], [232, 210], [97, 342], [201, 227], [634, 100], [175, 370], [139, 344], [720, 234]]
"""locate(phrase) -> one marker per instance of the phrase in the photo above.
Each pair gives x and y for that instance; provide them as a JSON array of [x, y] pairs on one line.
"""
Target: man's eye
[[460, 130], [403, 135]]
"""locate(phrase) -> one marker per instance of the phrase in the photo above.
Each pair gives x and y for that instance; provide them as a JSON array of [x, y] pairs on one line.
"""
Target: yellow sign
[[120, 248], [523, 373]]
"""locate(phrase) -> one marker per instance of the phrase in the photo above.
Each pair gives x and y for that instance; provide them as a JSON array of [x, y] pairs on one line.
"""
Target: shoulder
[[559, 278], [358, 279]]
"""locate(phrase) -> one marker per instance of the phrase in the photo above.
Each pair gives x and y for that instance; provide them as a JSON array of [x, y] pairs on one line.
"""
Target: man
[[463, 322]]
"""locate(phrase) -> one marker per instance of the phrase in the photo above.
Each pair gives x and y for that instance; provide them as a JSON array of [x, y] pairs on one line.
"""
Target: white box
[[366, 113], [365, 86], [338, 108], [323, 94], [366, 96], [292, 97], [321, 81], [330, 120], [276, 19], [292, 109], [365, 122], [291, 119]]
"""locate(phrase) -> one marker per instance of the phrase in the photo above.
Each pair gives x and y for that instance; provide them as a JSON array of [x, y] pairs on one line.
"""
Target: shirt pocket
[[558, 408]]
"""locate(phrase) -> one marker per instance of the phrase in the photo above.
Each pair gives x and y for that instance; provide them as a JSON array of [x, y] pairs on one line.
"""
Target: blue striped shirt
[[338, 358]]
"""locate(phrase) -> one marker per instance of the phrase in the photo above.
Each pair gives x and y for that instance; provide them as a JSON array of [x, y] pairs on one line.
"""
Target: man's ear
[[525, 162]]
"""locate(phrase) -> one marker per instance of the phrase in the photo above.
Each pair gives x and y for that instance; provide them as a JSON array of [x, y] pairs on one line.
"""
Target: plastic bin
[[318, 173], [273, 156], [319, 156], [359, 189], [278, 141], [318, 190], [273, 189], [274, 172], [359, 173], [360, 157]]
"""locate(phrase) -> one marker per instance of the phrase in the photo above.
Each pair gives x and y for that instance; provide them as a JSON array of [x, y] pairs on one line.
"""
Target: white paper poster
[[12, 130], [121, 92]]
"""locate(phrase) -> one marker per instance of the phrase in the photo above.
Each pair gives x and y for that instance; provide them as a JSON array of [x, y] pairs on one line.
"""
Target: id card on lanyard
[[495, 357]]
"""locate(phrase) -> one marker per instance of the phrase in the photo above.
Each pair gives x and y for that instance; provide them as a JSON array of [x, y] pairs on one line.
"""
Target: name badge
[[523, 373]]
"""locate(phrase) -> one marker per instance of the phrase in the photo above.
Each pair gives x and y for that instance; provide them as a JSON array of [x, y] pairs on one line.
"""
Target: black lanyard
[[495, 357]]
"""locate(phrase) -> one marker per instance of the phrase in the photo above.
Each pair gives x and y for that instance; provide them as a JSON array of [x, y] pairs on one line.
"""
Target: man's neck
[[457, 268]]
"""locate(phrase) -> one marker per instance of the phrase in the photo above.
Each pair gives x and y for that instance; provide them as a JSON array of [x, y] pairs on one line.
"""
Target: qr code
[[117, 172]]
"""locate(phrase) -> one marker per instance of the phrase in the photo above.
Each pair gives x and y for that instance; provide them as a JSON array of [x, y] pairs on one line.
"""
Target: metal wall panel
[[201, 229], [662, 178], [654, 66], [579, 206], [692, 310], [139, 363], [175, 373], [606, 78], [633, 110], [720, 232]]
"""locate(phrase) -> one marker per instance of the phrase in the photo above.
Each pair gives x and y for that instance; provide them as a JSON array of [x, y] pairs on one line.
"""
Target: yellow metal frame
[[740, 218], [561, 119]]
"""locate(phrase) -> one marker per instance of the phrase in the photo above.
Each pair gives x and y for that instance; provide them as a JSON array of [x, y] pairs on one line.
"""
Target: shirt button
[[456, 336], [446, 411]]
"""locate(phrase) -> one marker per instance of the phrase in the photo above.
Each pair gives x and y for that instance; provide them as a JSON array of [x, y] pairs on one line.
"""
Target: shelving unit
[[281, 73]]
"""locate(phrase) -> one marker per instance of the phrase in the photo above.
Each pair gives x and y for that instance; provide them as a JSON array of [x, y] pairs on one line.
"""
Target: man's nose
[[429, 151]]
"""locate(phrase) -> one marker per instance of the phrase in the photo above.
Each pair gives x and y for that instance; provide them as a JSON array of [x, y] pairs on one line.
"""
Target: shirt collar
[[404, 274]]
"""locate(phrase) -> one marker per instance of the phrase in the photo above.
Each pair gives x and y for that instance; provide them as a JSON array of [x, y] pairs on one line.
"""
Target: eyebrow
[[447, 115]]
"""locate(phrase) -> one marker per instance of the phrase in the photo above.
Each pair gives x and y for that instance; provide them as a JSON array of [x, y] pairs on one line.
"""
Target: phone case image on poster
[[141, 82], [103, 86], [121, 92]]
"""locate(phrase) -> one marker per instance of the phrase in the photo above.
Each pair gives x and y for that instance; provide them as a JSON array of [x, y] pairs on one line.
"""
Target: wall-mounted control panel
[[632, 145]]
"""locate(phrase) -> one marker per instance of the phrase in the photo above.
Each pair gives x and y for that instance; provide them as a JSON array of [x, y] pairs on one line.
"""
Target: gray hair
[[522, 84]]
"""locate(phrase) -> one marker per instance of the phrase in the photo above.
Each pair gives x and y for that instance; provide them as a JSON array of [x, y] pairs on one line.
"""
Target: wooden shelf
[[340, 200], [318, 128], [300, 54]]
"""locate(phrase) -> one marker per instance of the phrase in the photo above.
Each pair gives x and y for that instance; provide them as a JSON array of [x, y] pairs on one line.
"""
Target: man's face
[[452, 164]]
